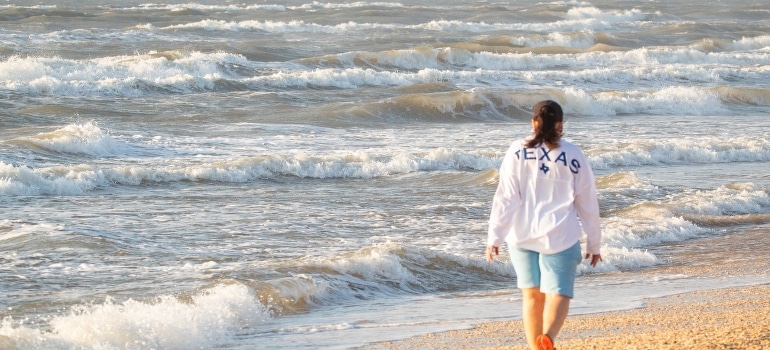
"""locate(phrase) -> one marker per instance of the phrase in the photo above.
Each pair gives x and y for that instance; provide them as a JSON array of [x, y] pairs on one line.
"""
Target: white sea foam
[[118, 75], [28, 7], [615, 259], [344, 79], [271, 7], [576, 19], [87, 139], [388, 262], [632, 59], [178, 71], [354, 4], [732, 199], [294, 26], [198, 6], [12, 229], [167, 323], [81, 178], [705, 150], [582, 39], [751, 43], [645, 226], [625, 236]]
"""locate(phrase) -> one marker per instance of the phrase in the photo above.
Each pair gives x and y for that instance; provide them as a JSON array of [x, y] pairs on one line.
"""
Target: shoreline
[[727, 318], [699, 319]]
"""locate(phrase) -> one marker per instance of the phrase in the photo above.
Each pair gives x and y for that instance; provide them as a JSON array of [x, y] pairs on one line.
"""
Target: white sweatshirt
[[541, 195]]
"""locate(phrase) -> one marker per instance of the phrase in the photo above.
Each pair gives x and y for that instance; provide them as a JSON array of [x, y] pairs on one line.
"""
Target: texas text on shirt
[[532, 200]]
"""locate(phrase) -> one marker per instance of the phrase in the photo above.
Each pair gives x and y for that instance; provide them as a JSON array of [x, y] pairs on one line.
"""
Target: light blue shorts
[[553, 273]]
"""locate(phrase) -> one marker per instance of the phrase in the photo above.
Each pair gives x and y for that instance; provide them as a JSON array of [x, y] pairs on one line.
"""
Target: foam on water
[[10, 230], [80, 139], [173, 72], [676, 218], [205, 320], [90, 140], [271, 7], [576, 19], [119, 75], [198, 6], [636, 152], [726, 200]]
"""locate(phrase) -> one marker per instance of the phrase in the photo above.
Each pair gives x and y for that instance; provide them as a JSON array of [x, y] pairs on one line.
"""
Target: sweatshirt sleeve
[[587, 205], [506, 200]]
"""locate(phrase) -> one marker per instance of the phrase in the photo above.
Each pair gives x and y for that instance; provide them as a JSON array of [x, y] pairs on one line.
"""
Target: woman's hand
[[595, 258], [490, 251]]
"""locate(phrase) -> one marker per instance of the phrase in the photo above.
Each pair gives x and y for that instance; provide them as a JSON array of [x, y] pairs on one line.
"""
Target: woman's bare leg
[[532, 312], [556, 310]]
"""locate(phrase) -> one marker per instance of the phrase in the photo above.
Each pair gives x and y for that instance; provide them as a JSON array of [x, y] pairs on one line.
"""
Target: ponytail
[[547, 114]]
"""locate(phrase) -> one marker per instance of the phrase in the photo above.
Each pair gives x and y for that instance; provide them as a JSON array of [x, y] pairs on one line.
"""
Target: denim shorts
[[553, 273]]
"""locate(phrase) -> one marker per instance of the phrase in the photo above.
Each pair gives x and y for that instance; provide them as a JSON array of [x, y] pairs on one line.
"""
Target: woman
[[546, 184]]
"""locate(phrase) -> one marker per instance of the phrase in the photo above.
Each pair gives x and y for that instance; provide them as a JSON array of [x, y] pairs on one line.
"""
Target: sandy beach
[[731, 318]]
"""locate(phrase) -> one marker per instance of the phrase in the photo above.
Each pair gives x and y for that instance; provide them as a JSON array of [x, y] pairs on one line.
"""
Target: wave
[[649, 63], [581, 40], [737, 199], [81, 178], [212, 317], [484, 178], [10, 230], [24, 13], [743, 44], [77, 179], [680, 216], [79, 139], [392, 269], [621, 181], [488, 105], [743, 95], [271, 7], [203, 7], [294, 26], [456, 106], [645, 152], [576, 19], [175, 72], [727, 221], [171, 71], [227, 308]]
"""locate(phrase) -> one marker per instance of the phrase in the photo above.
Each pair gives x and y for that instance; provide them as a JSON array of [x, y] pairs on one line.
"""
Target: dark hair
[[547, 113]]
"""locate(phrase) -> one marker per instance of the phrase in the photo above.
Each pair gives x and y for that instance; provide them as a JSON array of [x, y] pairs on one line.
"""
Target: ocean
[[318, 174]]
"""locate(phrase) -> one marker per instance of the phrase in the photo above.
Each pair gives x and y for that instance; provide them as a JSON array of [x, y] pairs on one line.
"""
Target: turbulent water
[[301, 174]]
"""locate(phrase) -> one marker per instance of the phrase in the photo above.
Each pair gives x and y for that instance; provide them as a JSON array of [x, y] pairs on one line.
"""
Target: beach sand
[[732, 318]]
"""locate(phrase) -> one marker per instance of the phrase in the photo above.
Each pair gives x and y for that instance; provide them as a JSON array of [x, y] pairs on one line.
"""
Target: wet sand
[[732, 318]]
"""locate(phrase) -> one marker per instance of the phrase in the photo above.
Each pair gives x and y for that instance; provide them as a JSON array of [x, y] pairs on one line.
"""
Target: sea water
[[311, 174]]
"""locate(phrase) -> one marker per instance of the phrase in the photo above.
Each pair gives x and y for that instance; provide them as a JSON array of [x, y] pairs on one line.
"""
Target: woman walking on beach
[[546, 184]]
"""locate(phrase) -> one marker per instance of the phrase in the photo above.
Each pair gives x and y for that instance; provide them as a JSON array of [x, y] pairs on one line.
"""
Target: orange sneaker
[[544, 342]]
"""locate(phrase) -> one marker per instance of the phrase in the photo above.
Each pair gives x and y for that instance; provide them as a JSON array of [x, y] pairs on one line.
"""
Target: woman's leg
[[554, 314], [532, 312], [558, 283]]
